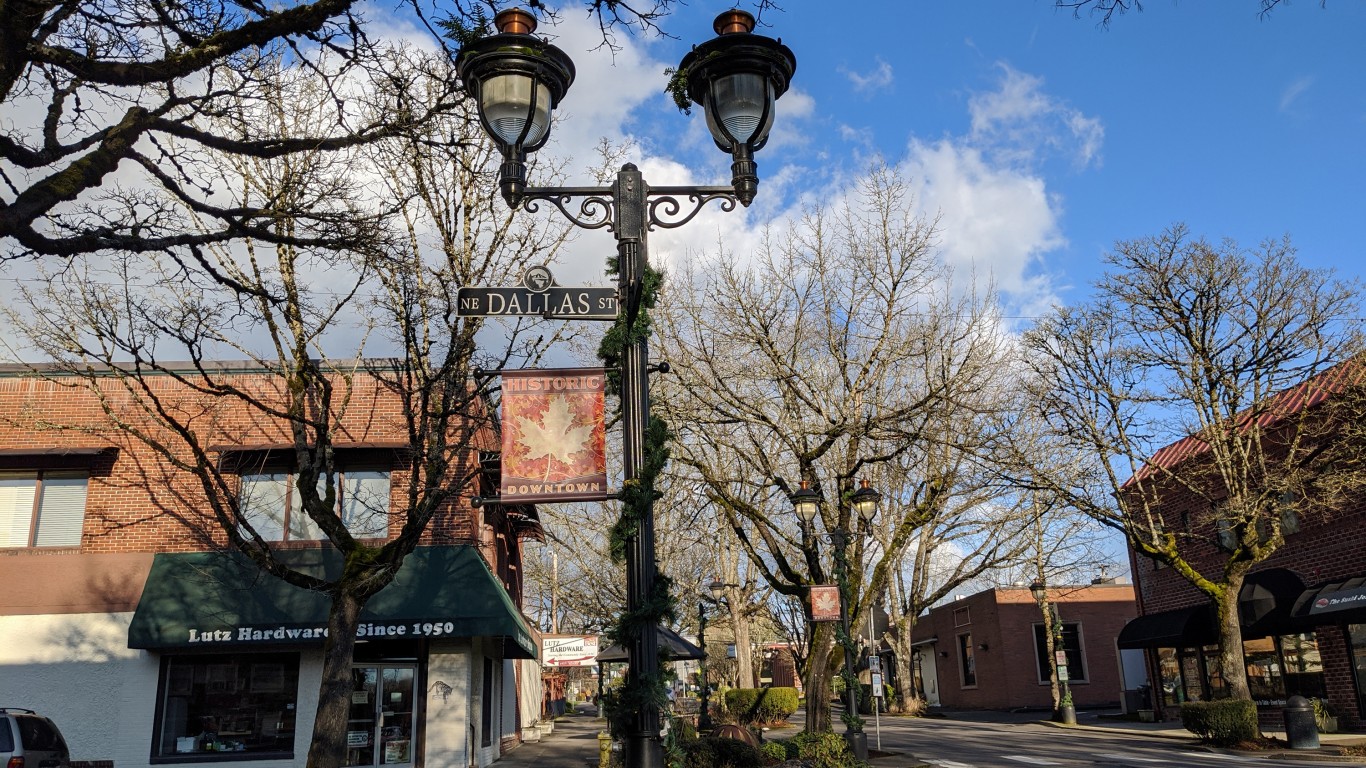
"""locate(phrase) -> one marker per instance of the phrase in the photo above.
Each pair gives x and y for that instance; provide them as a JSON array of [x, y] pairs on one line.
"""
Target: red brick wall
[[1007, 670], [138, 501]]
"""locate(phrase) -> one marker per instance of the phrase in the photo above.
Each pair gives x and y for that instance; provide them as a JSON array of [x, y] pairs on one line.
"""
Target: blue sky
[[1039, 138]]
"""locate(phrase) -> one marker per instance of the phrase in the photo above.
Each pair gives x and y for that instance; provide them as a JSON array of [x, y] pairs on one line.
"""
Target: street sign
[[554, 303], [1062, 674], [538, 295], [877, 684], [875, 663]]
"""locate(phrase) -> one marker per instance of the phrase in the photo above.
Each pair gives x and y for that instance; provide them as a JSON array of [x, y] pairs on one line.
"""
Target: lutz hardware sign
[[569, 650], [538, 295]]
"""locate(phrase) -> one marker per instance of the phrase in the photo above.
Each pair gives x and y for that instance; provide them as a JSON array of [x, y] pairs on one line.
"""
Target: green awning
[[207, 600]]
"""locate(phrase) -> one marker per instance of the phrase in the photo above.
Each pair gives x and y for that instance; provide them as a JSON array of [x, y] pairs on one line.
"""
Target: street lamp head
[[805, 501], [516, 79], [737, 77], [865, 501], [717, 589], [1039, 590]]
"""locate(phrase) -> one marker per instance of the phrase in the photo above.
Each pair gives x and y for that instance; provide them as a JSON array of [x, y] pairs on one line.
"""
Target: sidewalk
[[1330, 744], [573, 744]]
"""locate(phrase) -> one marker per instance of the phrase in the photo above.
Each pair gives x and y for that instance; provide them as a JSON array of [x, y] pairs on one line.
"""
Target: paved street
[[982, 740]]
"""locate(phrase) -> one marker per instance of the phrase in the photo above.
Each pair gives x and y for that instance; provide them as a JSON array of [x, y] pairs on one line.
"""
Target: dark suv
[[29, 740]]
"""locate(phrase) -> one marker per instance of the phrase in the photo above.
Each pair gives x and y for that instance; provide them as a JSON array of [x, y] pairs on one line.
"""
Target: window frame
[[188, 668], [267, 467], [1077, 655], [40, 476], [967, 662]]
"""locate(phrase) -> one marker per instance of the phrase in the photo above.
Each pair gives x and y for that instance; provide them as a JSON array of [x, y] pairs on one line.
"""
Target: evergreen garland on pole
[[658, 608]]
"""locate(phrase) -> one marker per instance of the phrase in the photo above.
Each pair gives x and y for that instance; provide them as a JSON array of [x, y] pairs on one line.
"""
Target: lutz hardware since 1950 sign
[[538, 295]]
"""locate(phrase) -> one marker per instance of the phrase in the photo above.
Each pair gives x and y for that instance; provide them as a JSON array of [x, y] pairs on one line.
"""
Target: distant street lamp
[[1066, 712], [517, 80], [718, 590], [863, 502]]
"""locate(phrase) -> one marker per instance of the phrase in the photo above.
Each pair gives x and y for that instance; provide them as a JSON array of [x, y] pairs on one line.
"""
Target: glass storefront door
[[379, 729]]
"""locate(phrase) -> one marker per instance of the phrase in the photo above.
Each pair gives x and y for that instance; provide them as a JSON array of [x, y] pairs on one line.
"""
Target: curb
[[1324, 754]]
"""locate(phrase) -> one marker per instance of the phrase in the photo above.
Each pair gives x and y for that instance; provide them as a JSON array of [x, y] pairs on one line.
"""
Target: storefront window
[[227, 703], [1214, 673], [1265, 677], [1303, 666], [1169, 670], [1190, 677], [1356, 635]]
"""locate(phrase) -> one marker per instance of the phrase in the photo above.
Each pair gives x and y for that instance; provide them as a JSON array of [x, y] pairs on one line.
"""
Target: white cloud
[[1294, 91], [1020, 123], [879, 77]]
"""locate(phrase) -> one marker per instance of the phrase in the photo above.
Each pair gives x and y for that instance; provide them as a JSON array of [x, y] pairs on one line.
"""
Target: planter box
[[1147, 716], [531, 733]]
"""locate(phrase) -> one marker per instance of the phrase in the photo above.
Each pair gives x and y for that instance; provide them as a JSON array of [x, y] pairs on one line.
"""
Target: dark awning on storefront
[[207, 600], [1333, 598], [671, 644], [1181, 628]]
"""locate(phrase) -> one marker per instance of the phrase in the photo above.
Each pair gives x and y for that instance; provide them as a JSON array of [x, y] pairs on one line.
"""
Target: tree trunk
[[1051, 651], [744, 656], [818, 677], [1231, 662], [906, 697], [328, 748]]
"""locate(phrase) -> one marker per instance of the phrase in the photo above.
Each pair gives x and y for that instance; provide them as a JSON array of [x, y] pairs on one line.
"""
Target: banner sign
[[554, 440], [569, 650], [825, 602]]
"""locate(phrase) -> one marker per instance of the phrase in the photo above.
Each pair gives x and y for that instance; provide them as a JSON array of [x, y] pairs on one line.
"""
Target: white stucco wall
[[449, 694], [78, 670]]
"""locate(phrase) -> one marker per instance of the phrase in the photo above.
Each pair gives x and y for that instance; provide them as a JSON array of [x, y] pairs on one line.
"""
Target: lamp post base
[[858, 744], [1067, 715]]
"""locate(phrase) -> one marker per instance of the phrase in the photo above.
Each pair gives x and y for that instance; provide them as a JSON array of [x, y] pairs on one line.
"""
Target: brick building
[[988, 650], [127, 619], [1302, 610]]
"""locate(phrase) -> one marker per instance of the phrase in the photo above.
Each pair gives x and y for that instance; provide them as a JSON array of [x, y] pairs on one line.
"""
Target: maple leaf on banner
[[825, 602], [555, 436]]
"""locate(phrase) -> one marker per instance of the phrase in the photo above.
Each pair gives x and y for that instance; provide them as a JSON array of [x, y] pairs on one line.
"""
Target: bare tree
[[111, 323], [1191, 379], [969, 521], [95, 94], [1107, 10], [820, 360]]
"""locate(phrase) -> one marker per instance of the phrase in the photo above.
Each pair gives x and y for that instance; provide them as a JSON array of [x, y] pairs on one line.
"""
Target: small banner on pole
[[554, 440], [825, 602]]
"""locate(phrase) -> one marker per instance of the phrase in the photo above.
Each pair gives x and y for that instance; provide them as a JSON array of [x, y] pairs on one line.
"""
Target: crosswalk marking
[[948, 763], [1030, 760], [1120, 756]]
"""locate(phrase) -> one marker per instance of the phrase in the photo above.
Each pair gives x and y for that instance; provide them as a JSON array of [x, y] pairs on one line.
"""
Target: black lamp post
[[1066, 713], [863, 502], [518, 79]]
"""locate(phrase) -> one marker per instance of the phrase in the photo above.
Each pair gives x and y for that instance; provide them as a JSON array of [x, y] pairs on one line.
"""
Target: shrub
[[1223, 723], [821, 750], [713, 752], [761, 705], [773, 752]]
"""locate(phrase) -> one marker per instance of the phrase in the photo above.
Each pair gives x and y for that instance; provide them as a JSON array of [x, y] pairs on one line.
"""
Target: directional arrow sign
[[552, 303]]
